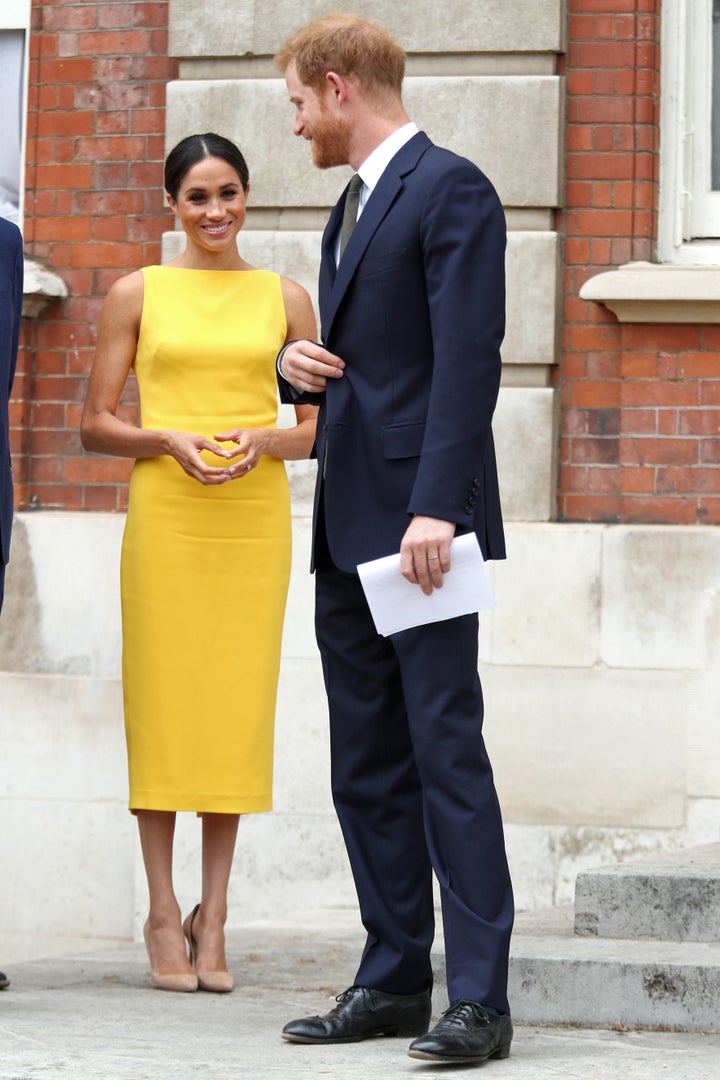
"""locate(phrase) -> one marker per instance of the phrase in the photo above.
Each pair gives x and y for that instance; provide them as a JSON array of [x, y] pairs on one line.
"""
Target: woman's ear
[[171, 203]]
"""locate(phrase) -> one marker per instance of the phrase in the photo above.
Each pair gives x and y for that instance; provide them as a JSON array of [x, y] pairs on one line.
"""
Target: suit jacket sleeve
[[17, 308], [463, 237], [289, 394]]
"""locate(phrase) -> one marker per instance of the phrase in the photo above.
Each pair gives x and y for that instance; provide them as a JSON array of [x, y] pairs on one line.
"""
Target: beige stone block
[[67, 867], [302, 749], [522, 159], [531, 268], [299, 629], [62, 611], [62, 737], [661, 596], [702, 711], [588, 746], [255, 28], [524, 432], [548, 598]]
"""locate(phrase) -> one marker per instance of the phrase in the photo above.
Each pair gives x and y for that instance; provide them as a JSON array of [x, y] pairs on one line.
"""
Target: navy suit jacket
[[416, 310], [11, 297]]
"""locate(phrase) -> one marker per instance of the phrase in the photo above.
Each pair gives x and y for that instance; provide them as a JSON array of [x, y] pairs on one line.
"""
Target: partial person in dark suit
[[413, 315], [11, 297]]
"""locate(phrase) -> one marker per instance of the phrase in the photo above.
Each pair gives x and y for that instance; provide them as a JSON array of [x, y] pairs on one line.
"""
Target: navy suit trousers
[[414, 792]]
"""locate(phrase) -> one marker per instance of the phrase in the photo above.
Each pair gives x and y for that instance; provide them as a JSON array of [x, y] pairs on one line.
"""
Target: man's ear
[[337, 85]]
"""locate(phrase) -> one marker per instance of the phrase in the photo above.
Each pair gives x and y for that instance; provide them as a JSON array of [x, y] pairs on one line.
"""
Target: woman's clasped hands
[[186, 449]]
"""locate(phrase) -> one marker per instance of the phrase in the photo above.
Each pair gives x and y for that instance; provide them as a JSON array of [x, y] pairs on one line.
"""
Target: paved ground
[[91, 1015]]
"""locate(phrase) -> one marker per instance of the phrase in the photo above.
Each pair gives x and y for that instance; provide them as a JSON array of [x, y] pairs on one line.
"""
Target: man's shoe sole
[[397, 1033], [446, 1059]]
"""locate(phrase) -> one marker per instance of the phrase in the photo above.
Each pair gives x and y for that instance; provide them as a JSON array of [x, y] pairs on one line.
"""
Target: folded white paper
[[396, 604]]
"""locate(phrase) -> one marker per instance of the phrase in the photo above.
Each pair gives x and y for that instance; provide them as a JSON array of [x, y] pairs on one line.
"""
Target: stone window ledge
[[643, 292], [41, 287]]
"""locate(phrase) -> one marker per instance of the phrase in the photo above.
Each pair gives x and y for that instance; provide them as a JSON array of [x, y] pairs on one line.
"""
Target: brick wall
[[94, 210], [640, 424], [640, 419]]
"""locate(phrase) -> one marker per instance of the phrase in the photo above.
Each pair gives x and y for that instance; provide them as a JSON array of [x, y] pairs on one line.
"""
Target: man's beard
[[330, 141]]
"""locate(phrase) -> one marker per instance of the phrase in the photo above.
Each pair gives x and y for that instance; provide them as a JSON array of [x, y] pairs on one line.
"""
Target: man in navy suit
[[11, 298], [413, 311]]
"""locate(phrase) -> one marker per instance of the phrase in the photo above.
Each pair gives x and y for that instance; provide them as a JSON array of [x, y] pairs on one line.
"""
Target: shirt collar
[[375, 163]]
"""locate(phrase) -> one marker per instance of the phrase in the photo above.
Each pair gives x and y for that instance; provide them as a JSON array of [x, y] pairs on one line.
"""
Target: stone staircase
[[640, 949]]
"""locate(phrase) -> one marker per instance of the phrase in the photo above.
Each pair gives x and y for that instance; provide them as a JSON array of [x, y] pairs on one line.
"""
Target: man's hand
[[307, 366], [425, 552]]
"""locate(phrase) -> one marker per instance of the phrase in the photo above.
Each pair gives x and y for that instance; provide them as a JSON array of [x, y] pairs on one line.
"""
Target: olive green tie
[[350, 213]]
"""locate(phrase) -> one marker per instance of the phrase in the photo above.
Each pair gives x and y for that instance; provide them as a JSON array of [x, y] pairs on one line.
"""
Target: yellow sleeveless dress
[[204, 570]]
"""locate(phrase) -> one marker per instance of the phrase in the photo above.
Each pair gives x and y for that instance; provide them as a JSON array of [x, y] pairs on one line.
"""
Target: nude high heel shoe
[[216, 982], [181, 982]]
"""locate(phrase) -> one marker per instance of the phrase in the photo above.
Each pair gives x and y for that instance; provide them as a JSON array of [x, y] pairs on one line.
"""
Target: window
[[14, 25], [689, 226]]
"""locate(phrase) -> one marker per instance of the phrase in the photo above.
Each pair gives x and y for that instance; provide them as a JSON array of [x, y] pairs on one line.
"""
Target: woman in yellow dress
[[206, 549]]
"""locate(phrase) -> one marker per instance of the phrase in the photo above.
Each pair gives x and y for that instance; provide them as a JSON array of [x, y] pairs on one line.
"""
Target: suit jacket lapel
[[333, 285]]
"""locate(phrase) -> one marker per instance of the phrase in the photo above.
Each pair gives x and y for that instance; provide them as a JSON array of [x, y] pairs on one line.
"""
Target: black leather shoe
[[465, 1033], [360, 1013], [4, 981]]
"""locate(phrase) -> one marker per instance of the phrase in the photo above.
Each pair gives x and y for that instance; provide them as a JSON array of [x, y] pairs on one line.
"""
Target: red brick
[[709, 511], [113, 42], [668, 337], [47, 415], [591, 508], [115, 15], [54, 176], [118, 255], [639, 480], [112, 123], [595, 395], [704, 480], [55, 443], [47, 470], [643, 393], [639, 421], [710, 392], [604, 479], [100, 497], [110, 228], [656, 510], [75, 229], [595, 451], [573, 479], [700, 422], [604, 109], [657, 451], [617, 166], [57, 123], [97, 469], [151, 14]]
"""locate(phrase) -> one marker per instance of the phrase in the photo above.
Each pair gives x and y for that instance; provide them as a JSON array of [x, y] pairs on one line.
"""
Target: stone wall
[[601, 673]]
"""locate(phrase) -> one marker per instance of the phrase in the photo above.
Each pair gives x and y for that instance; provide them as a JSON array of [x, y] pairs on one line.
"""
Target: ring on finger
[[248, 467], [431, 557]]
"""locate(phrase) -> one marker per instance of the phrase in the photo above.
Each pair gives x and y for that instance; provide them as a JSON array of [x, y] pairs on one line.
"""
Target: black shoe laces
[[350, 992], [461, 1011]]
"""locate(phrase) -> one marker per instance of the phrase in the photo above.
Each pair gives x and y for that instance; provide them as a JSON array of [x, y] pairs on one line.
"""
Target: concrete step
[[557, 977], [672, 897]]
